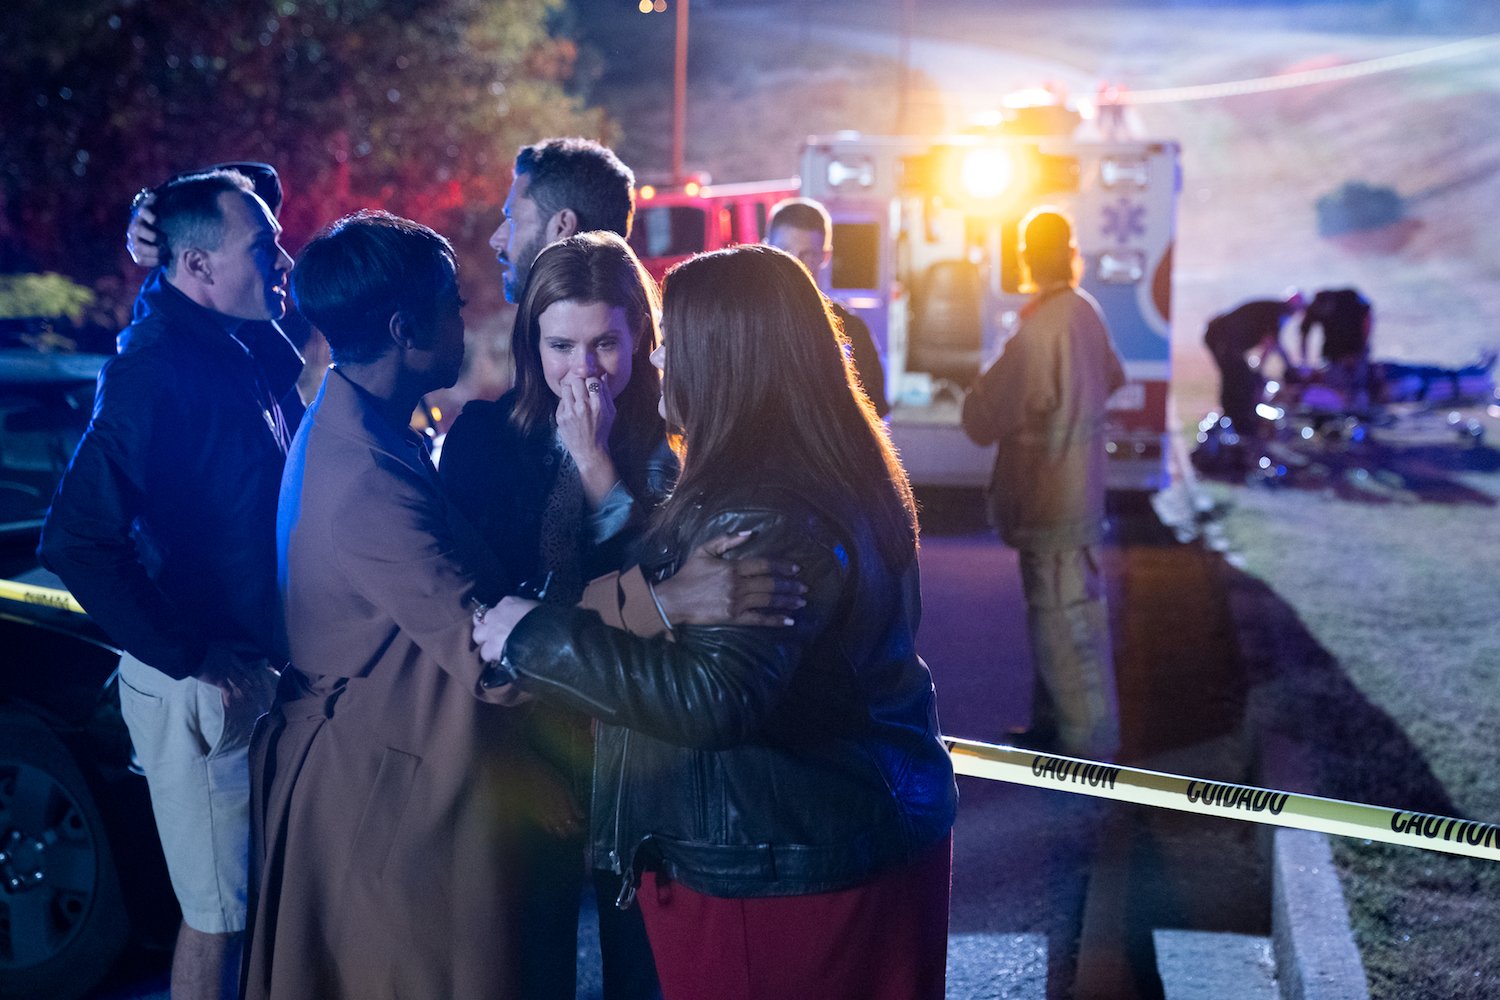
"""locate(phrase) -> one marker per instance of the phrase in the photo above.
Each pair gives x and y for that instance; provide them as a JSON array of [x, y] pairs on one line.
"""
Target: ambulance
[[925, 249]]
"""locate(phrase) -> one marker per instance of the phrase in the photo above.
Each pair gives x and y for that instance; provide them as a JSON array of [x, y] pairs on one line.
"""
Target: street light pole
[[679, 94], [903, 93]]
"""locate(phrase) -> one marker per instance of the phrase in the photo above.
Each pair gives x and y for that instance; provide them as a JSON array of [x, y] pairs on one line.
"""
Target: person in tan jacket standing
[[1043, 403]]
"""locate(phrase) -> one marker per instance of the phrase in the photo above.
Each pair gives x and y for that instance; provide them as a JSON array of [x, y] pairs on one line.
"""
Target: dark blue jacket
[[164, 526]]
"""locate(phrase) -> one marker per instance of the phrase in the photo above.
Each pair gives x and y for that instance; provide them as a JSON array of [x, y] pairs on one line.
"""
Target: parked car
[[81, 871], [45, 402]]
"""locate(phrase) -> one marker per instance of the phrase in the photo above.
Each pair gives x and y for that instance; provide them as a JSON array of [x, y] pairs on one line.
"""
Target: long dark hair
[[758, 382], [590, 267]]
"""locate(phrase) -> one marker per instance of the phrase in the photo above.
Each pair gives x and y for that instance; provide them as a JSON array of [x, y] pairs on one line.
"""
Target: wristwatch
[[497, 673]]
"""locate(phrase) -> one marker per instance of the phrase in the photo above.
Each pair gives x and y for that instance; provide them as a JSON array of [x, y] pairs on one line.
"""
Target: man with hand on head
[[144, 241], [143, 237], [163, 527]]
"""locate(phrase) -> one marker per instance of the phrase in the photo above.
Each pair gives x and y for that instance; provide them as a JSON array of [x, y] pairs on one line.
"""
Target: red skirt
[[884, 940]]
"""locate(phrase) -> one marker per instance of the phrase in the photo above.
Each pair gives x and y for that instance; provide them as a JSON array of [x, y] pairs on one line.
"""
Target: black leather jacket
[[760, 761]]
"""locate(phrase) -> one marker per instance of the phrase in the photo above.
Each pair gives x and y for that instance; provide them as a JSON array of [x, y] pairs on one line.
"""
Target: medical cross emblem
[[1124, 220]]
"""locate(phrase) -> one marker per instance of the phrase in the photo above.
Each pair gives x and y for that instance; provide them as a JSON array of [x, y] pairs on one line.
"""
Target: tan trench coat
[[387, 791]]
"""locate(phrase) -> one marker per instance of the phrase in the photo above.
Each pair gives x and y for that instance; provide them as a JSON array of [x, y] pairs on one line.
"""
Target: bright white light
[[1029, 97], [1122, 267], [990, 118], [987, 173]]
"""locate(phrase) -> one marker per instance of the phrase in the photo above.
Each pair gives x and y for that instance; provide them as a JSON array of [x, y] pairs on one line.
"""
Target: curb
[[1312, 943], [1316, 958]]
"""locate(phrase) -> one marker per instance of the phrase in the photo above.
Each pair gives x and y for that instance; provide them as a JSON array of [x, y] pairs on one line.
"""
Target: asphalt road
[[1055, 894]]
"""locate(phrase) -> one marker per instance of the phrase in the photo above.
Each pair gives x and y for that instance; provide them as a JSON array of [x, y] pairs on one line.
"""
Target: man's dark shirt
[[1343, 313], [866, 357], [1240, 330], [164, 526]]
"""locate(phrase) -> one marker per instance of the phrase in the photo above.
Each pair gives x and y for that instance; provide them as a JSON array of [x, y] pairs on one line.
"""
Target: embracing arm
[[713, 686], [711, 587], [624, 601]]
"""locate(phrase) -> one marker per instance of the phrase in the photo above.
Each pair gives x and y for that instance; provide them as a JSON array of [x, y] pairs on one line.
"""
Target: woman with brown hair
[[577, 442], [782, 797], [559, 477]]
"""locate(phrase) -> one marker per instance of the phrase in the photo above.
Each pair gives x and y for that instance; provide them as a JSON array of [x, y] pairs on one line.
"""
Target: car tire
[[63, 921]]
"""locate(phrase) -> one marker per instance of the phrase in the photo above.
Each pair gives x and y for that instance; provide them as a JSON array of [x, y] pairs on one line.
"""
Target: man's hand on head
[[142, 238]]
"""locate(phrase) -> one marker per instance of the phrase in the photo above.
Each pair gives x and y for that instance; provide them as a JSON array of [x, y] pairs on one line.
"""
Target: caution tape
[[1469, 838], [47, 597], [1450, 835]]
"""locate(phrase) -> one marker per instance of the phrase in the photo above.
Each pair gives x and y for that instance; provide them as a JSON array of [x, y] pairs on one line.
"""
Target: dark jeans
[[1239, 388], [549, 931]]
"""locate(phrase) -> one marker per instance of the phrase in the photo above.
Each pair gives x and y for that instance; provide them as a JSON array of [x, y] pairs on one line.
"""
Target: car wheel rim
[[48, 866]]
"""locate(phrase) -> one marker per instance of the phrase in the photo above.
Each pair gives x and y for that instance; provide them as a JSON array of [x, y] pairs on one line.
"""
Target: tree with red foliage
[[416, 106]]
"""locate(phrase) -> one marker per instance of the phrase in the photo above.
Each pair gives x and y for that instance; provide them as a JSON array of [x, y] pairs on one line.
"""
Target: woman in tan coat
[[391, 785], [383, 770]]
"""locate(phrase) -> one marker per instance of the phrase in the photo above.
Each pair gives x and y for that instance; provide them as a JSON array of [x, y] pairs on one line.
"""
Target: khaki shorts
[[197, 768]]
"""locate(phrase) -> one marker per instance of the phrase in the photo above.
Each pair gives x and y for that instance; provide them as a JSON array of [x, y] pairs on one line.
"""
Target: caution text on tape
[[47, 597], [1451, 835]]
